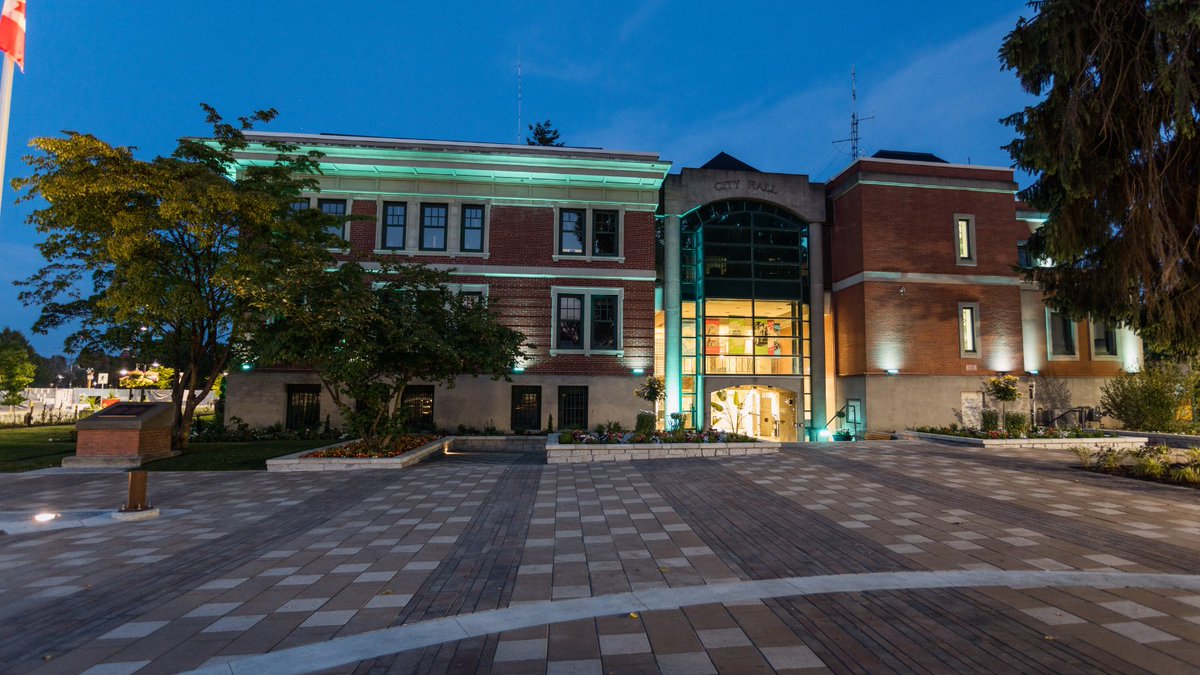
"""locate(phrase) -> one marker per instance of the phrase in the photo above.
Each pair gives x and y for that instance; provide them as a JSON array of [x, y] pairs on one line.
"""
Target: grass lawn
[[246, 456], [26, 449], [29, 448]]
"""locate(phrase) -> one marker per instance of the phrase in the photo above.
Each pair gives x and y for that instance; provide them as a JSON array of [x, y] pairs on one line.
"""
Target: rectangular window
[[303, 406], [1104, 339], [1023, 260], [964, 232], [433, 227], [571, 226], [395, 218], [1061, 334], [472, 228], [604, 322], [572, 407], [336, 208], [299, 205], [526, 408], [968, 329], [417, 404], [570, 322], [605, 233]]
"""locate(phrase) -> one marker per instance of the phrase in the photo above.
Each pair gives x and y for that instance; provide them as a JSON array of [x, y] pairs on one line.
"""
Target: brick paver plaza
[[871, 557]]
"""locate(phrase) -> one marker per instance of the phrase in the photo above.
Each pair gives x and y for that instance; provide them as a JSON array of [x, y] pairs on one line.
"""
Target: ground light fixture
[[45, 517], [893, 371], [1031, 372]]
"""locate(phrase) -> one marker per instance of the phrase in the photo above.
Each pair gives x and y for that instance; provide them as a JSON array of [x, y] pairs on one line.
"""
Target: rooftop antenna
[[855, 150], [520, 130]]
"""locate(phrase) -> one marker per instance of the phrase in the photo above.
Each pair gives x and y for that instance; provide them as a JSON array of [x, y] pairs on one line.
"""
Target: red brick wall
[[850, 330], [122, 442], [525, 305], [913, 230], [362, 232], [520, 236], [917, 332]]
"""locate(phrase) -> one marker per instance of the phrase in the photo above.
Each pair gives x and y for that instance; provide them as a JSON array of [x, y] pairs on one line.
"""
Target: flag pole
[[5, 103]]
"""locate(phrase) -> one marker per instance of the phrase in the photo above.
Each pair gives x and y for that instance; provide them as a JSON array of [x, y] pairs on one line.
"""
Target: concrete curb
[[574, 453]]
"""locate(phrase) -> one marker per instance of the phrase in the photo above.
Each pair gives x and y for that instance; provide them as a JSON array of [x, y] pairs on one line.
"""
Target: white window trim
[[587, 235], [470, 288], [1092, 343], [962, 352], [1050, 355], [412, 233], [314, 202], [971, 233], [587, 292]]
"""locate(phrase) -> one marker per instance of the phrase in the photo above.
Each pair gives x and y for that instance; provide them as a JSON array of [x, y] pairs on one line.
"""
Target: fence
[[50, 405]]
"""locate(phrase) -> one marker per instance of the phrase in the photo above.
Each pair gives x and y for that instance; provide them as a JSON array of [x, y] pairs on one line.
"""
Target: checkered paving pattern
[[255, 563]]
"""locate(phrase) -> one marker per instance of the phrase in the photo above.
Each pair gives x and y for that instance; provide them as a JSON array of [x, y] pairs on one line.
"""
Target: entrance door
[[763, 412], [854, 417], [526, 408]]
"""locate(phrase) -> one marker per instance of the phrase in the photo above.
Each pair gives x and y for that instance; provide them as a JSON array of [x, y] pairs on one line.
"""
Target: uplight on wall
[[1031, 372], [893, 371], [639, 371]]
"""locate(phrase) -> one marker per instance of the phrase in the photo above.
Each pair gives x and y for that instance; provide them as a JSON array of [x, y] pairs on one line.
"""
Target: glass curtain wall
[[745, 297]]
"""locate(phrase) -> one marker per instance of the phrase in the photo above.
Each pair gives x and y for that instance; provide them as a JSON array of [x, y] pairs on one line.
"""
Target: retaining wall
[[1051, 443], [584, 452]]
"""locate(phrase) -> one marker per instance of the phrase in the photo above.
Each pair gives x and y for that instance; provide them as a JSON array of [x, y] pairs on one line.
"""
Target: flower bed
[[1157, 463], [627, 438], [361, 450], [1040, 432]]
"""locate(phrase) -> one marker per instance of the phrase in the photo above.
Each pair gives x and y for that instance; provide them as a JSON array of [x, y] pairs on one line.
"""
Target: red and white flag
[[12, 31]]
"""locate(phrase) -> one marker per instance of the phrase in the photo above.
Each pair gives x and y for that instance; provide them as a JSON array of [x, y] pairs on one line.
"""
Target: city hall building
[[775, 305]]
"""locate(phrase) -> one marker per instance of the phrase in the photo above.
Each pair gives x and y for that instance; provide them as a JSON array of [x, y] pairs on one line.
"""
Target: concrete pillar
[[816, 315], [672, 319]]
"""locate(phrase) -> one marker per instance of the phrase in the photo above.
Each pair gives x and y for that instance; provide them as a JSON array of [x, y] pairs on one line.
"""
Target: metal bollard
[[136, 500]]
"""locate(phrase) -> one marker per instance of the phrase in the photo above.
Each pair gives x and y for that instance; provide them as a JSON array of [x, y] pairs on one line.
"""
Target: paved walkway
[[867, 557]]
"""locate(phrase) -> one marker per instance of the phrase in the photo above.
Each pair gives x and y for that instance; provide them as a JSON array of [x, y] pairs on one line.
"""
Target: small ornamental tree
[[368, 335], [1003, 389], [652, 391], [16, 373]]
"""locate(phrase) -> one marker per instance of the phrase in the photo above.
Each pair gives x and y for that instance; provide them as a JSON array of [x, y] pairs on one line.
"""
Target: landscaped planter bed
[[312, 460], [339, 460], [1160, 438], [1058, 443], [558, 453]]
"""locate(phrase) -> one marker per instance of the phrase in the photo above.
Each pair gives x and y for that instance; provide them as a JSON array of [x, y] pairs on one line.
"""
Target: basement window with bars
[[526, 408], [572, 407]]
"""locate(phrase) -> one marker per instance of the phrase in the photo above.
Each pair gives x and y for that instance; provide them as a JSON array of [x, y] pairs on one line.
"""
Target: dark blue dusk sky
[[767, 82]]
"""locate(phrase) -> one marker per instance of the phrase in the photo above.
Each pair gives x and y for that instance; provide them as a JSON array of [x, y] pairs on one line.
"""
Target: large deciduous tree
[[171, 256], [368, 334], [1113, 146]]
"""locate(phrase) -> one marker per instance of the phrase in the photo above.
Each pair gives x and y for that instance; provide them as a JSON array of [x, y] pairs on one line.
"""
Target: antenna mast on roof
[[519, 129], [855, 150]]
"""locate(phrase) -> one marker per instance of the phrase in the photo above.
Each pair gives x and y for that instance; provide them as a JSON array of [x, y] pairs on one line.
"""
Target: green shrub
[[1084, 455], [990, 420], [1150, 399], [1016, 423], [1189, 474], [644, 423]]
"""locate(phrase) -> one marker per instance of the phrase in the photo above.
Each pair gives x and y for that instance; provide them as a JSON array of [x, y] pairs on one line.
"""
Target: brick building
[[559, 240], [887, 295]]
